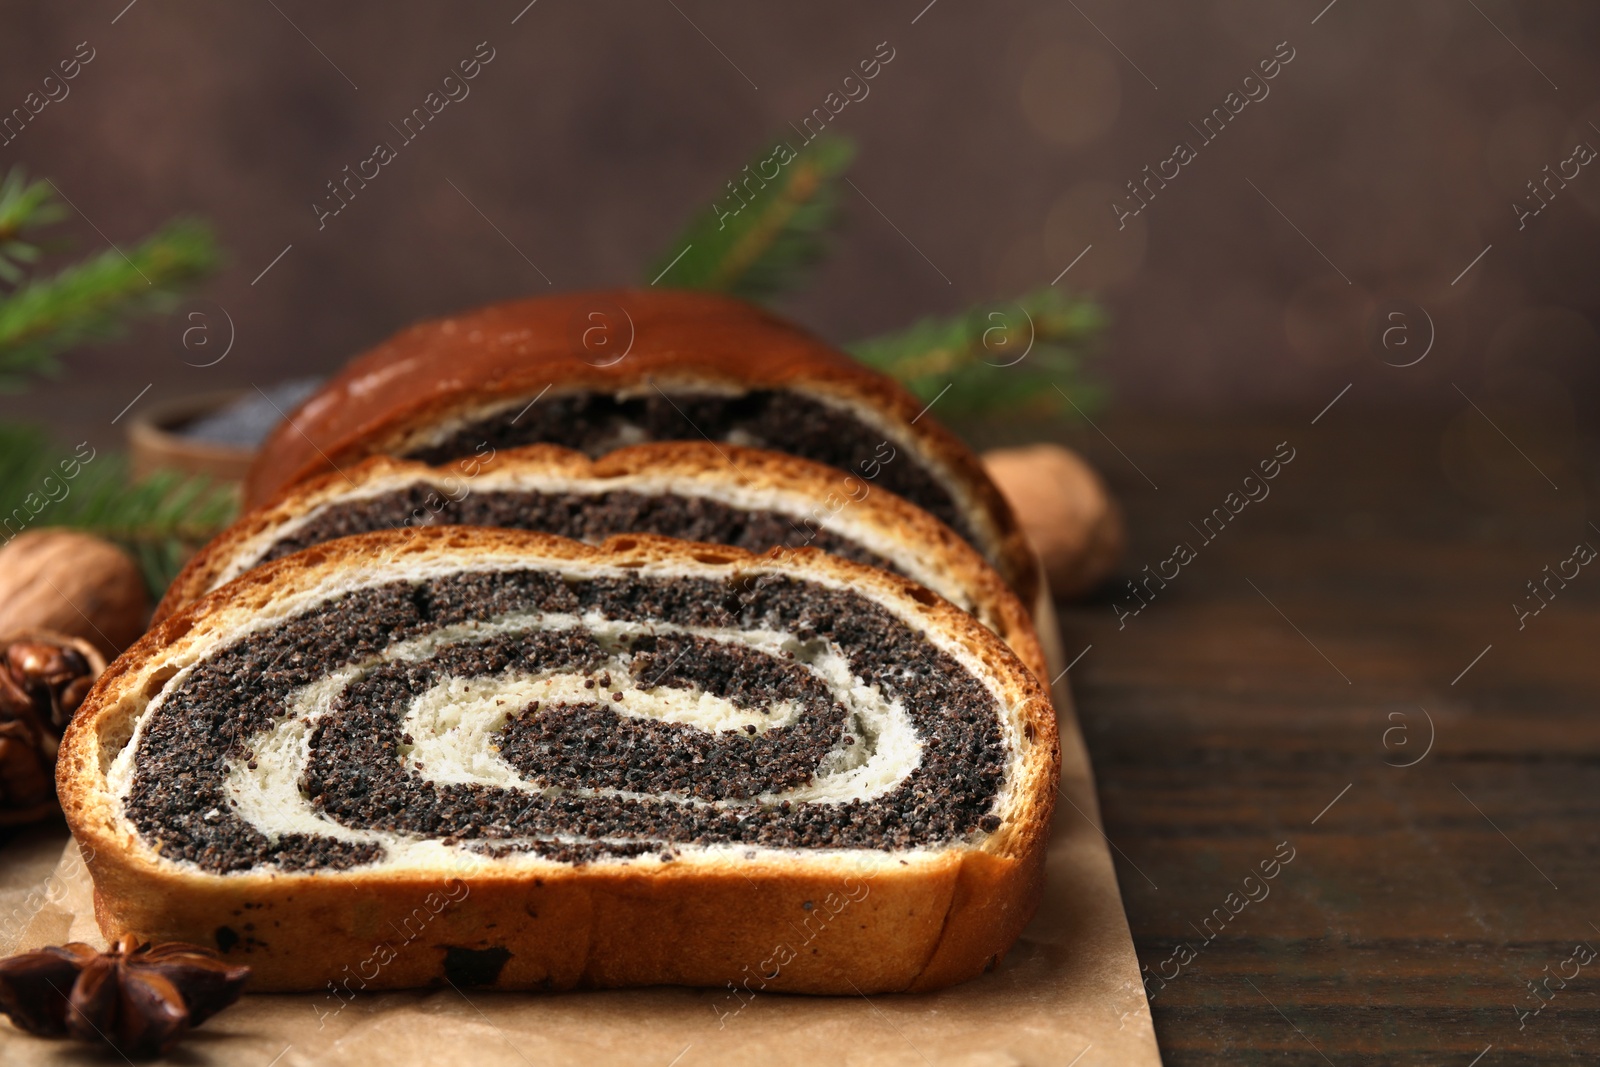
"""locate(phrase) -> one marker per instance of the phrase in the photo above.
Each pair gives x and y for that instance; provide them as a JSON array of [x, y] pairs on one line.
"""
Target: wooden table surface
[[1261, 705], [1278, 697]]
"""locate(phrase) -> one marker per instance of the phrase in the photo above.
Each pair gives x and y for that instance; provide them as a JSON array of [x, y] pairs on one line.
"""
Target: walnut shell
[[28, 742], [1066, 511], [74, 583]]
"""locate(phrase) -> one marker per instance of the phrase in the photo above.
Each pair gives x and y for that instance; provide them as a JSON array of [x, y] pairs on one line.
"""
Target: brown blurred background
[[1396, 141], [1378, 176]]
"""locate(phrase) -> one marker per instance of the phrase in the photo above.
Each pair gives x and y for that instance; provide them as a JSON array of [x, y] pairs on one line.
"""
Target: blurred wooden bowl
[[154, 444]]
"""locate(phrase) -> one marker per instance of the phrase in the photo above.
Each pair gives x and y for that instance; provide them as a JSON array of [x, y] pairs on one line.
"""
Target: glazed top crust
[[616, 341]]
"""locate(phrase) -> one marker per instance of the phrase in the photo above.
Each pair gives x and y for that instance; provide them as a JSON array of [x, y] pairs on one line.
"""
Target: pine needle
[[1005, 356], [757, 239], [93, 299], [24, 207], [25, 457], [160, 519]]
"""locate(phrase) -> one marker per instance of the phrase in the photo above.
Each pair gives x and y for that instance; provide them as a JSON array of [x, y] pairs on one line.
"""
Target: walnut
[[44, 676], [1064, 508], [73, 583]]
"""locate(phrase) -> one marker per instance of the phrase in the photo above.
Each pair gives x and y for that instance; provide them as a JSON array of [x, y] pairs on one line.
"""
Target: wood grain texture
[[1406, 927], [1251, 691]]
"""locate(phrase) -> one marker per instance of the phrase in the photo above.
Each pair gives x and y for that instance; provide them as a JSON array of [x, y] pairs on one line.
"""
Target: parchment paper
[[1068, 993]]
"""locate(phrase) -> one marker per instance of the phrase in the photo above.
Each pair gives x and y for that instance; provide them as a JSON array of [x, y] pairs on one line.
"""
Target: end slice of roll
[[601, 370], [692, 490], [506, 759]]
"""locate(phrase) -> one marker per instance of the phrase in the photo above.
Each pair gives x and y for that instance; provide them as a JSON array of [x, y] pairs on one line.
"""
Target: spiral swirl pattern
[[615, 716]]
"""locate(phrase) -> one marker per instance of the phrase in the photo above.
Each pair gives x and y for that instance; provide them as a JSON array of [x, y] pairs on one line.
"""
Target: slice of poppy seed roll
[[508, 759], [598, 371], [693, 490]]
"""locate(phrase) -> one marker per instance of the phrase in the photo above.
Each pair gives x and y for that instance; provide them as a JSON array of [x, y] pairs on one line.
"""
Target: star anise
[[136, 997], [43, 679]]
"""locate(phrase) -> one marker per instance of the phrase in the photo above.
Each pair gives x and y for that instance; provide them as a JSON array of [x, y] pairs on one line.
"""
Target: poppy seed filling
[[590, 517], [778, 419], [597, 770]]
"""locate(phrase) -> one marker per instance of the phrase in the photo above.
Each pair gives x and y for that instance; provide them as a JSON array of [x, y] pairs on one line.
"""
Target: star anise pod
[[43, 678], [136, 997]]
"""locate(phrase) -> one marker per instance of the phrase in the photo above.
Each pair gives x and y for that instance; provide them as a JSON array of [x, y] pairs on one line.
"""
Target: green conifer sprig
[[161, 518], [93, 300], [1003, 356], [756, 243], [24, 207], [24, 461], [158, 519]]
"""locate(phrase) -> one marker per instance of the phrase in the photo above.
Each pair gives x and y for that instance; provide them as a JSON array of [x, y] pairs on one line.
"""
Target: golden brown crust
[[708, 919], [729, 468], [437, 370]]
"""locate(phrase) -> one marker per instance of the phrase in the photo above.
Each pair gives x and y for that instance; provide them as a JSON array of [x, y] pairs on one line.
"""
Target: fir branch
[[160, 519], [91, 300], [24, 207], [999, 356], [25, 458], [756, 242]]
